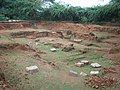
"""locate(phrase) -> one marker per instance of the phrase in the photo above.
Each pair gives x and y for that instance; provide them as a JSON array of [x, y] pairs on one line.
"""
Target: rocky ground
[[59, 56]]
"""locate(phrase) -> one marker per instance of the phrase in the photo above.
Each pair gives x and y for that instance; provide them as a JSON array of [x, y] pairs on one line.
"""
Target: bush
[[3, 18], [32, 10], [18, 9]]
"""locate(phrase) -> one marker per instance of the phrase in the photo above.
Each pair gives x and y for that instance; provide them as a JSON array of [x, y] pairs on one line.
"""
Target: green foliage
[[59, 12], [32, 10], [18, 9], [84, 19], [3, 18]]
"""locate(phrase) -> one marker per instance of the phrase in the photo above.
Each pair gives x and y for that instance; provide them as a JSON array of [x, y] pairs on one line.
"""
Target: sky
[[84, 3]]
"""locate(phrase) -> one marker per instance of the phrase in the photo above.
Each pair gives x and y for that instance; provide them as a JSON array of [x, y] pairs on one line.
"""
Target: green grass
[[40, 81], [49, 78]]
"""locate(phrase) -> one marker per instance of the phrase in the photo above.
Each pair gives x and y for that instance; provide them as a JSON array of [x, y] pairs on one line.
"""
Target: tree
[[17, 9]]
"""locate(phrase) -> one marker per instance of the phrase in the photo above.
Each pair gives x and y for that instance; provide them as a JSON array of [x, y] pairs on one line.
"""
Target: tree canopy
[[32, 10]]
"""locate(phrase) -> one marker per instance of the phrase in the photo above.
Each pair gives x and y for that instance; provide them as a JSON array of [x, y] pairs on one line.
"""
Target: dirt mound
[[114, 56], [86, 36], [97, 82], [23, 47], [61, 26], [76, 27], [15, 46], [8, 46], [109, 70], [56, 45], [7, 25], [114, 50], [64, 26], [111, 39], [115, 30], [110, 24], [34, 34], [22, 34]]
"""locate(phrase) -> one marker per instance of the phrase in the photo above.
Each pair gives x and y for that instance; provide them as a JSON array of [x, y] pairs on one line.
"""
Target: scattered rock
[[54, 65], [13, 20], [83, 51], [45, 43], [51, 63], [77, 40], [94, 72], [53, 32], [37, 40], [73, 73], [88, 36], [56, 45], [79, 64], [60, 33], [92, 34], [95, 65], [67, 36], [30, 43], [36, 55], [69, 32], [68, 48], [83, 74], [53, 49], [90, 44], [32, 69], [84, 61], [37, 43], [52, 39]]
